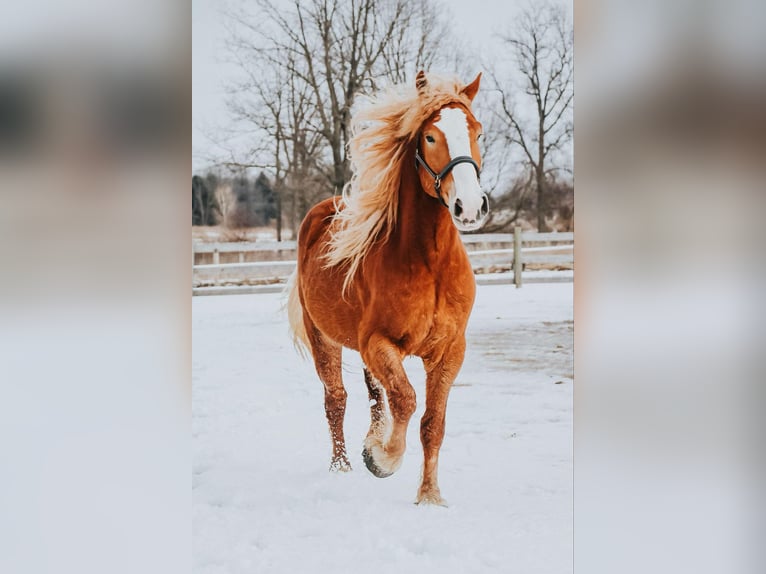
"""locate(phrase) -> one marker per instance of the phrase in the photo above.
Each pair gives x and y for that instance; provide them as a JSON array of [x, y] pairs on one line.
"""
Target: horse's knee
[[335, 404], [431, 428], [426, 423], [335, 396], [403, 401]]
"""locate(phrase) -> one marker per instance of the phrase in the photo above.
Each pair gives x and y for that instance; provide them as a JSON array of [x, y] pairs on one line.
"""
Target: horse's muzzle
[[470, 221]]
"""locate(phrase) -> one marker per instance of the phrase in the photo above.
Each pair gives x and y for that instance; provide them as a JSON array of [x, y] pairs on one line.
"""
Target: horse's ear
[[470, 90], [421, 82]]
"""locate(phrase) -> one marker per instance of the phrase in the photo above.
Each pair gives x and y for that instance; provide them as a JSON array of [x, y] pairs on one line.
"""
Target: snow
[[263, 498]]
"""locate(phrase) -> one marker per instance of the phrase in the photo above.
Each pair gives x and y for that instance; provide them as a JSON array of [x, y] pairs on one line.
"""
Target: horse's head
[[449, 160]]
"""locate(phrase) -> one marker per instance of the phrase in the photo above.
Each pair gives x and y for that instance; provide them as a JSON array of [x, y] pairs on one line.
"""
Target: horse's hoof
[[431, 499], [371, 466]]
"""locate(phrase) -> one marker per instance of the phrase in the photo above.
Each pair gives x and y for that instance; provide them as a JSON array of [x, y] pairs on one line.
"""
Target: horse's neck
[[424, 229]]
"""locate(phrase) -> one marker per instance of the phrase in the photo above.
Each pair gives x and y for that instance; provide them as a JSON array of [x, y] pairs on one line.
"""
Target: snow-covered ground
[[264, 500]]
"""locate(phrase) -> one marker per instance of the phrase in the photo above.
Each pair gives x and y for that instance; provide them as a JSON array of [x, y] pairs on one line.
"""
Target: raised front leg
[[327, 359], [384, 446], [440, 375]]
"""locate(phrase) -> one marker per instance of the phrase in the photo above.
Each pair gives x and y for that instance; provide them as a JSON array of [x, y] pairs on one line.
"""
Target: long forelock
[[381, 131]]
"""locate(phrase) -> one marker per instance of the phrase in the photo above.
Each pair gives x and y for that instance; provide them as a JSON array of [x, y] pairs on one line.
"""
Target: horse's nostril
[[458, 207], [484, 206]]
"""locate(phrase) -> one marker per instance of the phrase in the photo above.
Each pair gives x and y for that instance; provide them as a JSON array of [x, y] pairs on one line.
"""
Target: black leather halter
[[438, 177]]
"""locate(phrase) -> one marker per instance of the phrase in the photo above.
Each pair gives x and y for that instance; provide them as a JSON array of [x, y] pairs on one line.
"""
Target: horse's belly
[[335, 317]]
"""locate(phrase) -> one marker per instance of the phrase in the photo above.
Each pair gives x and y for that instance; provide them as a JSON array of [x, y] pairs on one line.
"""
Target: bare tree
[[511, 206], [419, 43], [225, 200], [204, 204], [542, 44], [303, 66]]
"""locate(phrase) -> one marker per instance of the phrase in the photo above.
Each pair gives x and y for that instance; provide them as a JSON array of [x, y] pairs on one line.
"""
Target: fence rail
[[468, 240], [220, 266]]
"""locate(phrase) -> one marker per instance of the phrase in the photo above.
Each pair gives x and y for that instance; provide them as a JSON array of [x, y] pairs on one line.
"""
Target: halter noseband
[[438, 177]]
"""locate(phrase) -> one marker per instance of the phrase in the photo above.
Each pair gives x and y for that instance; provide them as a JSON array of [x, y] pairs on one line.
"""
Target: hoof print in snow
[[372, 467]]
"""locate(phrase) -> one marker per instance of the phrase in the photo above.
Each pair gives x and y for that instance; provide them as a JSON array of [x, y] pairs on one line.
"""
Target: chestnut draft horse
[[384, 272]]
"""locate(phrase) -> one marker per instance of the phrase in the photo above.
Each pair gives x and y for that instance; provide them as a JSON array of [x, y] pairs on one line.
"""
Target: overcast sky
[[477, 21]]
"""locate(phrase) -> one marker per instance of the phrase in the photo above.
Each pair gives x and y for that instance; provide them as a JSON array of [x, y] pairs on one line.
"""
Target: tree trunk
[[293, 212], [540, 176], [540, 167]]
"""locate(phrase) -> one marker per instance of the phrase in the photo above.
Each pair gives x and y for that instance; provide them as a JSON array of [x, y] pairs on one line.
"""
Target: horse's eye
[[478, 137], [430, 139]]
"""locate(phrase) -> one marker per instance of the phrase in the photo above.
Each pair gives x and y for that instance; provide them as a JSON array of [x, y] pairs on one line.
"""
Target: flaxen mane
[[382, 132]]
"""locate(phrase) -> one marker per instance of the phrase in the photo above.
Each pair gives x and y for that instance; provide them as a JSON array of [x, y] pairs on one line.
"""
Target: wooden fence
[[252, 267]]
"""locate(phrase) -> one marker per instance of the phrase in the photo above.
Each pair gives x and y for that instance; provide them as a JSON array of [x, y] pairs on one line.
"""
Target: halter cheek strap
[[438, 177]]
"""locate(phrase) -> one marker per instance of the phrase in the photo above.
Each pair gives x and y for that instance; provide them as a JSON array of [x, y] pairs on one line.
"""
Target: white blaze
[[454, 125]]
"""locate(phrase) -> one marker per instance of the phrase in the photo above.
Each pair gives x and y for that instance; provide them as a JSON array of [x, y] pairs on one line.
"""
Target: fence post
[[517, 264], [216, 258]]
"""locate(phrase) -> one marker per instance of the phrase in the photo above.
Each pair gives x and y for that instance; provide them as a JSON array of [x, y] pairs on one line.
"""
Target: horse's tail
[[295, 316]]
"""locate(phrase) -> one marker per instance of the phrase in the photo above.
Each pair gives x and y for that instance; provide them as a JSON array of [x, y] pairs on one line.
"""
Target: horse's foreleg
[[440, 375], [384, 448], [327, 359]]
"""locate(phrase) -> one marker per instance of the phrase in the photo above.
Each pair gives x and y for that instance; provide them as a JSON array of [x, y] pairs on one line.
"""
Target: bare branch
[[541, 42]]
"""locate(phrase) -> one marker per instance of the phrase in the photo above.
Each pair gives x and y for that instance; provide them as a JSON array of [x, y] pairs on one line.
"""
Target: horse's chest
[[418, 305], [425, 314]]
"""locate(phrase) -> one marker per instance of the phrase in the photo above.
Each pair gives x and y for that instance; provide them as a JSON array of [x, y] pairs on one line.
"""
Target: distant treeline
[[233, 201], [520, 204]]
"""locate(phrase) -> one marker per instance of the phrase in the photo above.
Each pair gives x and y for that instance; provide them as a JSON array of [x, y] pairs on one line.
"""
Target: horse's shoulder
[[317, 221]]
